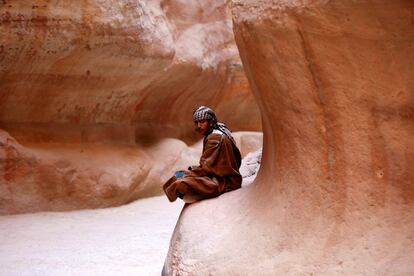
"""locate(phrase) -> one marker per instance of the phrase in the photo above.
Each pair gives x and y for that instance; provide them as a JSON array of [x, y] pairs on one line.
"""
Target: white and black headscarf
[[206, 113]]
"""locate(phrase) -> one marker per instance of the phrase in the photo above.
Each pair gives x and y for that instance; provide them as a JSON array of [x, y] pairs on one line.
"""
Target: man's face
[[202, 126]]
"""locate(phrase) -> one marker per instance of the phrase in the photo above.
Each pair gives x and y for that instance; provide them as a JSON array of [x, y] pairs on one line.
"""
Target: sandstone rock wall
[[60, 177], [88, 88], [118, 71], [67, 176], [335, 192]]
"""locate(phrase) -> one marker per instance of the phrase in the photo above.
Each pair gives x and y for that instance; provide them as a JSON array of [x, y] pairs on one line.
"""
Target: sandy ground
[[127, 240]]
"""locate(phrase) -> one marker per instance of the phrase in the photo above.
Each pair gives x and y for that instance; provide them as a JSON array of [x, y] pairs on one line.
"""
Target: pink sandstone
[[66, 176], [335, 192], [118, 71], [88, 89], [59, 177]]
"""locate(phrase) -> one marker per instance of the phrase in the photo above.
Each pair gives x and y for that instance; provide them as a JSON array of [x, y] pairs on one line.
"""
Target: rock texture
[[58, 176], [88, 89], [118, 71], [335, 192], [250, 166]]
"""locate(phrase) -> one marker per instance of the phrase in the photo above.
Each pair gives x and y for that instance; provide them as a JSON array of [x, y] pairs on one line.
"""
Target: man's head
[[204, 119]]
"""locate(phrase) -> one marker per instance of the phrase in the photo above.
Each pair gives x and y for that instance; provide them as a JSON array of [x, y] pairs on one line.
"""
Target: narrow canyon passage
[[132, 239], [106, 89], [95, 112]]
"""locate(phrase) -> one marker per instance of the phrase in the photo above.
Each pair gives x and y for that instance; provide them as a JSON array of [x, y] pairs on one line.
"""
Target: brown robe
[[217, 173]]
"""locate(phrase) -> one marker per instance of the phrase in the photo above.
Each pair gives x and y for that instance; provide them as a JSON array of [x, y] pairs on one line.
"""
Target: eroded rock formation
[[81, 82], [118, 71], [335, 192], [58, 177], [62, 176]]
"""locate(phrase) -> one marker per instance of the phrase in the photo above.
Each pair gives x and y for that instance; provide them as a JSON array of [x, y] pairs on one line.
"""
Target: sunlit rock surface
[[118, 71], [335, 192]]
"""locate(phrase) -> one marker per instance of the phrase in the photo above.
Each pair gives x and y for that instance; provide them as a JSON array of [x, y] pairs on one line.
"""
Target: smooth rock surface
[[118, 71], [67, 176], [126, 240], [58, 177], [88, 90], [335, 192]]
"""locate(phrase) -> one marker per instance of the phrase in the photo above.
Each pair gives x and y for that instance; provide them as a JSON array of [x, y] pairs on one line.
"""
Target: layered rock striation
[[335, 192], [118, 71], [88, 89]]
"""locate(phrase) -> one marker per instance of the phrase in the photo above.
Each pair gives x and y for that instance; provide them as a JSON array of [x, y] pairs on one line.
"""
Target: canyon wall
[[118, 71], [69, 176], [61, 177], [88, 89], [335, 192]]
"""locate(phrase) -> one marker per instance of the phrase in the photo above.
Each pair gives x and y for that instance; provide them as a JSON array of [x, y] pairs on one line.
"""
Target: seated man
[[220, 161]]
